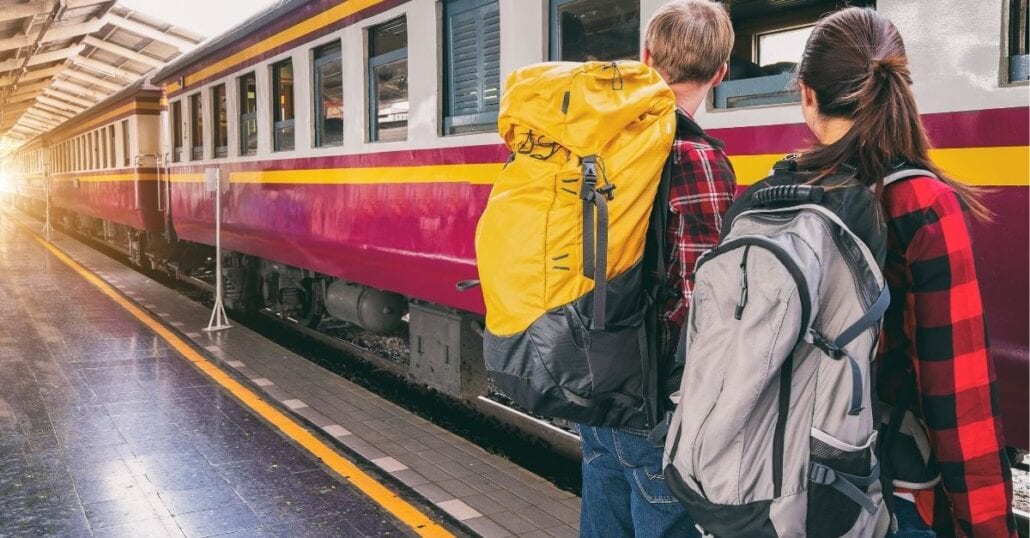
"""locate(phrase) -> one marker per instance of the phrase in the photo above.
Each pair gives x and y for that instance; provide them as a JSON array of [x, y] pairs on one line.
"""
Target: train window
[[472, 39], [605, 30], [94, 142], [282, 106], [111, 159], [102, 148], [388, 81], [1019, 41], [248, 114], [196, 127], [125, 142], [769, 44], [220, 125], [177, 131], [328, 95]]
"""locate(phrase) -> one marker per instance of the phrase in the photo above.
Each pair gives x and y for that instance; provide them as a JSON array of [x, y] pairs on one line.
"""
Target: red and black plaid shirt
[[701, 191], [935, 326]]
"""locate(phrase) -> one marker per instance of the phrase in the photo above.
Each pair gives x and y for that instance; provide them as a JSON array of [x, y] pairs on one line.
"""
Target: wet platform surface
[[106, 431]]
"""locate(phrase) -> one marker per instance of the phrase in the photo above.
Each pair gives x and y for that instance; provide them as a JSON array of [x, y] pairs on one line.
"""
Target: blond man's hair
[[690, 40]]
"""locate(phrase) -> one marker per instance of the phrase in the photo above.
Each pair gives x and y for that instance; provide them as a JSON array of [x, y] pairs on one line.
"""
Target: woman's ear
[[808, 98], [647, 58]]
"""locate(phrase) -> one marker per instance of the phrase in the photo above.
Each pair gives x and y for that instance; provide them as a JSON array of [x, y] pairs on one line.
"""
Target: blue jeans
[[623, 490], [910, 524]]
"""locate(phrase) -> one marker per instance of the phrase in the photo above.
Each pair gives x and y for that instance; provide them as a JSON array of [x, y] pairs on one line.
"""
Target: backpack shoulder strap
[[907, 173]]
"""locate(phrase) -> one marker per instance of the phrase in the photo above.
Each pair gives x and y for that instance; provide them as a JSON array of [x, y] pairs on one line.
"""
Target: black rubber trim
[[786, 375]]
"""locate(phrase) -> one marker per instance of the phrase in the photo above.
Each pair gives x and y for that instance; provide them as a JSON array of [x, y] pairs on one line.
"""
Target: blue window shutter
[[473, 63]]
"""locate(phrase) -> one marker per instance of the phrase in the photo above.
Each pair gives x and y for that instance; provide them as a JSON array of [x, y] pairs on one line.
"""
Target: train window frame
[[1017, 41], [376, 61], [196, 106], [775, 84], [487, 71], [125, 144], [322, 57], [554, 44], [247, 119], [177, 131], [219, 121], [281, 126], [102, 147]]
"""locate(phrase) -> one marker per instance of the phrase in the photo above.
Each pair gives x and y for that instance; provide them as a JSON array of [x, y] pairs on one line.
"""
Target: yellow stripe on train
[[983, 167], [987, 167], [301, 29]]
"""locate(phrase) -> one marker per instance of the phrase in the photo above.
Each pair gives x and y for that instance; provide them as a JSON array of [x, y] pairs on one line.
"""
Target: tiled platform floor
[[105, 431], [488, 494]]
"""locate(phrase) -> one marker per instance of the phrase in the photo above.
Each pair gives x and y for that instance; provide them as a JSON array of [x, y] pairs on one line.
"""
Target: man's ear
[[647, 58], [721, 75]]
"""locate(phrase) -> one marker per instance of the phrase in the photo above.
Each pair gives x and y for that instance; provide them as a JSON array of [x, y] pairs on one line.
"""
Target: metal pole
[[219, 321]]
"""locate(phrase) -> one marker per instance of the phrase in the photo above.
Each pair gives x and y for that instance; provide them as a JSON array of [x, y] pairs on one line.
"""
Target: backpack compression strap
[[595, 238], [835, 348]]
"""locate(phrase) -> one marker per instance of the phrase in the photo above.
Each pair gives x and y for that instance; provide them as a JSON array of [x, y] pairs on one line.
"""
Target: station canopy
[[60, 57]]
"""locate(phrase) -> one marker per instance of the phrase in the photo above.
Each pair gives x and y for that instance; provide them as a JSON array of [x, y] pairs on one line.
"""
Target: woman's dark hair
[[855, 63]]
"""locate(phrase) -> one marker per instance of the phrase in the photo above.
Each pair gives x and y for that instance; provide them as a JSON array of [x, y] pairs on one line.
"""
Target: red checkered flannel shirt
[[701, 191], [935, 325]]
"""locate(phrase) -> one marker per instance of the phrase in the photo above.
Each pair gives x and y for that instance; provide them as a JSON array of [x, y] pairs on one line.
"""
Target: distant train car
[[104, 168], [357, 165], [26, 175]]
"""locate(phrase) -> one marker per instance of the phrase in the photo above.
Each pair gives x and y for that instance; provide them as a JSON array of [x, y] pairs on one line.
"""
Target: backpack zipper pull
[[743, 285]]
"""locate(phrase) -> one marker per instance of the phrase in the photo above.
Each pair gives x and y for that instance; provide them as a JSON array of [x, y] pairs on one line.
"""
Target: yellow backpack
[[560, 246]]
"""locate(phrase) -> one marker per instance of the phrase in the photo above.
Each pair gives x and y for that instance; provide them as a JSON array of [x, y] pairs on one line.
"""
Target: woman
[[856, 98]]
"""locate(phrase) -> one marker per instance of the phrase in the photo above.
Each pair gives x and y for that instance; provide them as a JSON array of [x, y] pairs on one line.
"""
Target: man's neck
[[690, 95]]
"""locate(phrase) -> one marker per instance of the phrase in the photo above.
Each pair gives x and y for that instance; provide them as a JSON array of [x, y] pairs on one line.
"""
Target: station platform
[[119, 416]]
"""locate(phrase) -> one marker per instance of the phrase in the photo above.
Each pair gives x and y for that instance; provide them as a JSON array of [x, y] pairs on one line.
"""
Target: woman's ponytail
[[855, 62]]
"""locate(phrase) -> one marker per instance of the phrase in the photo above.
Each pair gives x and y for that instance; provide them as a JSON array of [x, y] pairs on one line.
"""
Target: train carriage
[[351, 155], [357, 141]]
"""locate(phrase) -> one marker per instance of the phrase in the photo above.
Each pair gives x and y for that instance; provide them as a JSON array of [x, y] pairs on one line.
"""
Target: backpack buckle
[[589, 167], [821, 474], [821, 342], [608, 191]]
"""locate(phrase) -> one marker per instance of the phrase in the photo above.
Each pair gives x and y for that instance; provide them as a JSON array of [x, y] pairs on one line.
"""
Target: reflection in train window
[[282, 106], [111, 158], [196, 127], [248, 115], [102, 148], [473, 54], [388, 81], [605, 30], [328, 99], [94, 142], [1019, 41], [769, 44], [177, 131], [125, 142], [220, 125]]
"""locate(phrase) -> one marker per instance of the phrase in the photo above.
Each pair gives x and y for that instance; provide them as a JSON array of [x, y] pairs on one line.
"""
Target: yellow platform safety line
[[401, 509]]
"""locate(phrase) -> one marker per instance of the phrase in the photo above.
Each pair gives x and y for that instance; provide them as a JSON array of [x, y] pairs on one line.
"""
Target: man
[[688, 42]]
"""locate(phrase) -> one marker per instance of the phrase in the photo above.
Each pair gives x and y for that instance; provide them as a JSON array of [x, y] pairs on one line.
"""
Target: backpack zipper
[[739, 311]]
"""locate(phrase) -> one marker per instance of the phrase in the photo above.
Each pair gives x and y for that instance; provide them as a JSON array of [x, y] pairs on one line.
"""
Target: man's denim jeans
[[623, 490]]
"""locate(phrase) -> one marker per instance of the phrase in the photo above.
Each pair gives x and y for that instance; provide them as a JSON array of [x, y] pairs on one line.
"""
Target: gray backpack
[[774, 433]]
